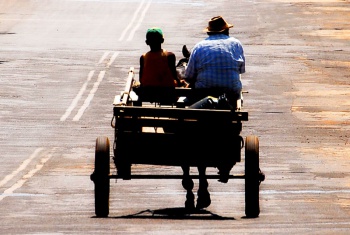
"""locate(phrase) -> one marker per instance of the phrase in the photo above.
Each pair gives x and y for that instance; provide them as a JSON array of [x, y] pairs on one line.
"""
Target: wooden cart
[[183, 136]]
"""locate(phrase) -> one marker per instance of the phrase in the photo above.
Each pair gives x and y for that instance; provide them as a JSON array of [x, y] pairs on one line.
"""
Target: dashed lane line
[[75, 101], [132, 33], [78, 97], [26, 177], [136, 19], [21, 167], [132, 22], [103, 57], [113, 57], [90, 96]]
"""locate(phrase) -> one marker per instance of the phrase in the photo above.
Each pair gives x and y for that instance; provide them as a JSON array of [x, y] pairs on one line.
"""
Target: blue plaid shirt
[[216, 61]]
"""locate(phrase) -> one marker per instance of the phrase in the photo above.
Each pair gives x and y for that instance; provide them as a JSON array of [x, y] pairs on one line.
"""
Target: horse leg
[[187, 183], [203, 199]]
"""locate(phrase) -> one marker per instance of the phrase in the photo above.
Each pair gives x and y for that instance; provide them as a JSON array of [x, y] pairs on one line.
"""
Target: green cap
[[153, 31]]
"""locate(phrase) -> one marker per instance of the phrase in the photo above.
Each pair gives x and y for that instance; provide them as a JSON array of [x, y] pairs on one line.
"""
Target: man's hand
[[183, 83]]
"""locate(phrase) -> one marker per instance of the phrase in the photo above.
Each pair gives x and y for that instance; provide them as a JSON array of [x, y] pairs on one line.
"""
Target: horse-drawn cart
[[181, 136]]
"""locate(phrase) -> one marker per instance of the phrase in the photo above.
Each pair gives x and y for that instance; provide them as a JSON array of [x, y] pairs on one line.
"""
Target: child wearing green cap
[[157, 66]]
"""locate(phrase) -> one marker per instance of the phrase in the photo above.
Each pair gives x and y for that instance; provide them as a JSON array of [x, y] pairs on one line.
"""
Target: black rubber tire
[[101, 177], [252, 208]]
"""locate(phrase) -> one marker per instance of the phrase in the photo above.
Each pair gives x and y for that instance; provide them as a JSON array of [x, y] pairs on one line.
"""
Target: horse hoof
[[203, 200], [223, 177], [203, 203], [189, 205]]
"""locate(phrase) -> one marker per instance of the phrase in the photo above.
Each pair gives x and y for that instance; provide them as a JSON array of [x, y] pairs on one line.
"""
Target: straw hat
[[217, 24]]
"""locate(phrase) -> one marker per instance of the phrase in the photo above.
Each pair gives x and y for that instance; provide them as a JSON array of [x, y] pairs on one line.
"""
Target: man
[[217, 61]]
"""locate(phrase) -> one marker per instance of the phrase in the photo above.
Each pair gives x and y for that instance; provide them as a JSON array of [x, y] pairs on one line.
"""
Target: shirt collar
[[217, 36]]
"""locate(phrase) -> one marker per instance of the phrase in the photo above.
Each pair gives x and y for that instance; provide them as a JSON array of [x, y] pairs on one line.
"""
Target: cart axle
[[173, 177]]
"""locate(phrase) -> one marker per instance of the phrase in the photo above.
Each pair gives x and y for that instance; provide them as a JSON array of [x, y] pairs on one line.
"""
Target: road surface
[[62, 63]]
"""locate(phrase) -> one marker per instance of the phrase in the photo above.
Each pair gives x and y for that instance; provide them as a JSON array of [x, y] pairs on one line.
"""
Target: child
[[157, 67]]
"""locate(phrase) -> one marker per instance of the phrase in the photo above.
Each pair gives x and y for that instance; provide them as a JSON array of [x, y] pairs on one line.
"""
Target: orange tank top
[[156, 71]]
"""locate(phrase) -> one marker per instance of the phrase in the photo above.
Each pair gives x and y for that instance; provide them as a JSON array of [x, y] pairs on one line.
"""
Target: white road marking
[[114, 56], [90, 96], [31, 173], [103, 57], [132, 21], [132, 33], [77, 98], [112, 59], [83, 88], [21, 167]]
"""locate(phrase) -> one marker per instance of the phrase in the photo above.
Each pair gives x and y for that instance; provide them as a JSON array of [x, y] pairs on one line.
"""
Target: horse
[[203, 195], [182, 65]]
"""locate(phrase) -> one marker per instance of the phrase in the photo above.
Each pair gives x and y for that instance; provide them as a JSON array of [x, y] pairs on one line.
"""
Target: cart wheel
[[252, 181], [101, 177]]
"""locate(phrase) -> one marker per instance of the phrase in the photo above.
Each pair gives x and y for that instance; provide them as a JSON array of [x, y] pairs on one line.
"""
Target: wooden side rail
[[180, 113], [132, 95], [171, 96], [124, 97], [179, 120]]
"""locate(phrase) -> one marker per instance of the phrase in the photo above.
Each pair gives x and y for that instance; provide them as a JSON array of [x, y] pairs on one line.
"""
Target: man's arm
[[242, 64], [242, 68]]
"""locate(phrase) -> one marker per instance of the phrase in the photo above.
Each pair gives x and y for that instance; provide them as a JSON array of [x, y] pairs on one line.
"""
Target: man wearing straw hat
[[217, 61]]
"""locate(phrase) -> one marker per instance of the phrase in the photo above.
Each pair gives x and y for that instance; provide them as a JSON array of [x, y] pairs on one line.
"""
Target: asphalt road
[[62, 63]]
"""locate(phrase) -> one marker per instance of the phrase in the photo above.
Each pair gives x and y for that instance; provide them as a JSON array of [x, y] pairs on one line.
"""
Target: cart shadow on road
[[175, 213]]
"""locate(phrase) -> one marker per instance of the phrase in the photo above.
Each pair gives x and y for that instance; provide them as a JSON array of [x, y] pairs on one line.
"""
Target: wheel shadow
[[174, 213]]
